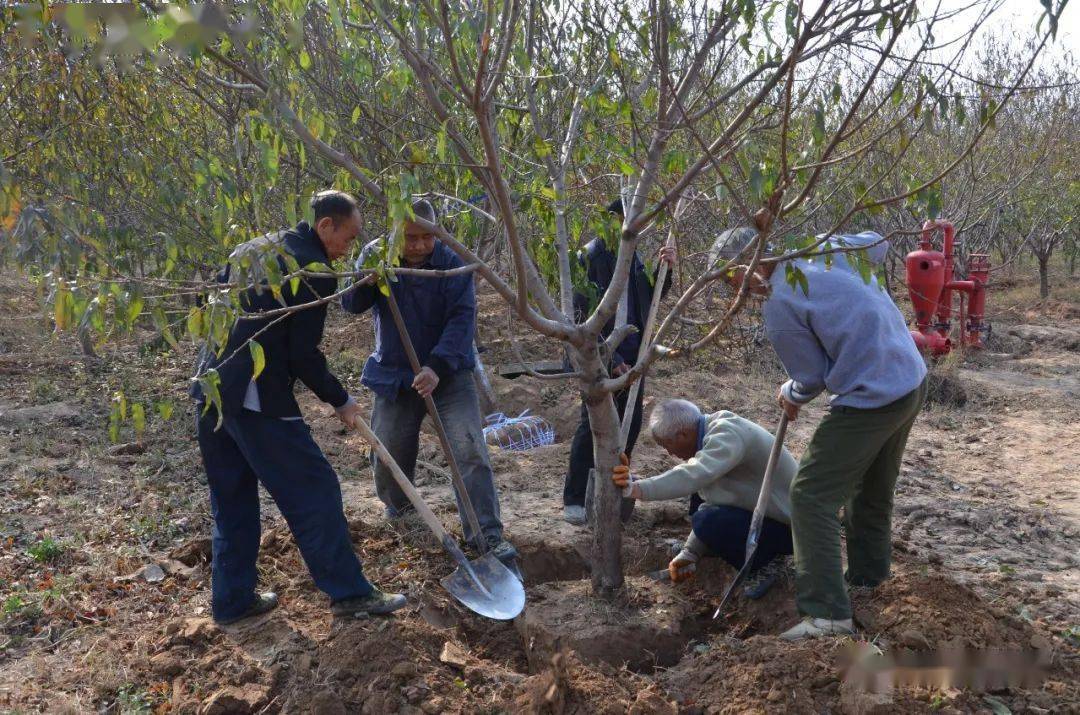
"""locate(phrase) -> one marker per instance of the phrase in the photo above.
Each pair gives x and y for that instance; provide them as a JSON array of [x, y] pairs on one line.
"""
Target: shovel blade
[[505, 597]]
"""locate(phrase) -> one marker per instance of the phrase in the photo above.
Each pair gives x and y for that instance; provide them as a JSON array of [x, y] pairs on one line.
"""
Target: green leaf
[[210, 381], [164, 409], [258, 357], [794, 276], [791, 18], [335, 18], [882, 23], [355, 114], [138, 419], [819, 125], [195, 323], [305, 60], [134, 309], [162, 324]]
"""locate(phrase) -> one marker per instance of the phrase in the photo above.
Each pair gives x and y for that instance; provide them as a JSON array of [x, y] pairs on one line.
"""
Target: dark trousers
[[724, 530], [250, 448], [581, 448], [396, 422], [852, 461]]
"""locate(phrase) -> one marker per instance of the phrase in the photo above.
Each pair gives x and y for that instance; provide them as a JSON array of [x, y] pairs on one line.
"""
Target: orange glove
[[620, 474], [682, 567]]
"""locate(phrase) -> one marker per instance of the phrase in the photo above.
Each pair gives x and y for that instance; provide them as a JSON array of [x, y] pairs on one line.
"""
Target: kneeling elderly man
[[725, 458]]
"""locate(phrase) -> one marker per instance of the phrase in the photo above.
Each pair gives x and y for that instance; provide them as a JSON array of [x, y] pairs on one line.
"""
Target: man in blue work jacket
[[263, 437], [440, 315]]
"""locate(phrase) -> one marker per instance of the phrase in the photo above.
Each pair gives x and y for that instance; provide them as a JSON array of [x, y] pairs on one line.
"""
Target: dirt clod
[[453, 654], [167, 664], [236, 699]]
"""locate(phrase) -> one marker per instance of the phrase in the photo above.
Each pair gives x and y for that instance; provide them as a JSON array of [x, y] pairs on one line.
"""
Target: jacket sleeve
[[722, 450], [360, 298], [306, 360], [805, 360], [454, 350]]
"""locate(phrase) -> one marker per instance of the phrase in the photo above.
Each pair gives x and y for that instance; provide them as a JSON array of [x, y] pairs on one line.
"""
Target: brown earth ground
[[986, 542]]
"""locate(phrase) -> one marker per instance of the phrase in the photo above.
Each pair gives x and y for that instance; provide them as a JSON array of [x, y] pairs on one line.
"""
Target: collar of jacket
[[598, 248], [307, 233]]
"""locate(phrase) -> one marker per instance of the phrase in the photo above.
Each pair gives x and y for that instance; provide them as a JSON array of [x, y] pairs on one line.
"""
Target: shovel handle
[[436, 420], [766, 488], [413, 495]]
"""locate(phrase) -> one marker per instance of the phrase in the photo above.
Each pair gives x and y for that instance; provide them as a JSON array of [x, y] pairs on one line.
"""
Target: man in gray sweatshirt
[[839, 332], [725, 458]]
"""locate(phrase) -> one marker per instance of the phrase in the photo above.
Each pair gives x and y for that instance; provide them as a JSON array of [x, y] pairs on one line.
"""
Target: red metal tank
[[925, 279]]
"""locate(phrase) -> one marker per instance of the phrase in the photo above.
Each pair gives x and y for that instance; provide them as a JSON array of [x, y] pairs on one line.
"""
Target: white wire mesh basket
[[518, 433]]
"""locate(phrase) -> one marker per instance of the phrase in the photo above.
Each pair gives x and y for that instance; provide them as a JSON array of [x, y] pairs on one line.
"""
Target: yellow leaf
[[258, 357]]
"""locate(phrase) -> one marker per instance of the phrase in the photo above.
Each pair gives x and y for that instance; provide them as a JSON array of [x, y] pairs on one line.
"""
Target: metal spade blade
[[495, 593], [485, 585]]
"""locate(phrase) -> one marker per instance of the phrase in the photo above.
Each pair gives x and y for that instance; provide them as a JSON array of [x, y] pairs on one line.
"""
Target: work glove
[[683, 566], [622, 478]]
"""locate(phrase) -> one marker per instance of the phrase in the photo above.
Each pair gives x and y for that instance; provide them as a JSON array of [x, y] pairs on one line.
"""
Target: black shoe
[[264, 603], [375, 603], [760, 582]]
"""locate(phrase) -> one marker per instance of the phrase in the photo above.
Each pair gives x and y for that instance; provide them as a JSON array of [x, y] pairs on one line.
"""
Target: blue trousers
[[724, 529], [250, 448], [396, 422]]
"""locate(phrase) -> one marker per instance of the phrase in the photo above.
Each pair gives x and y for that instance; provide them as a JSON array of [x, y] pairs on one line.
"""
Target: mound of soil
[[910, 611], [945, 388]]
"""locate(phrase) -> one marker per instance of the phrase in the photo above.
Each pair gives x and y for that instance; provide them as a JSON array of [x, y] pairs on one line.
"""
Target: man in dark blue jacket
[[440, 315], [263, 437], [599, 262]]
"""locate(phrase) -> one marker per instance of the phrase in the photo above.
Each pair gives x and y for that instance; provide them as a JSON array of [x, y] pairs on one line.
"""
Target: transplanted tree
[[771, 113]]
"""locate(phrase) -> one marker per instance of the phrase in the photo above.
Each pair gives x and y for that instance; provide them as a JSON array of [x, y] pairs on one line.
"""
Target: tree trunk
[[607, 569], [1044, 279]]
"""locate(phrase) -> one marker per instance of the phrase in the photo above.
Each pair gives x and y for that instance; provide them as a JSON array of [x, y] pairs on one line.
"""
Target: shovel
[[485, 585], [759, 512], [433, 412]]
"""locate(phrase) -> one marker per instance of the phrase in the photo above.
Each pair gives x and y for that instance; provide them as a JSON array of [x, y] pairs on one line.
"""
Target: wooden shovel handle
[[413, 495], [440, 429]]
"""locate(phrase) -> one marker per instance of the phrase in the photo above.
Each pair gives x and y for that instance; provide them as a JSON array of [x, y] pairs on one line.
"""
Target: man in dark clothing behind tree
[[599, 262]]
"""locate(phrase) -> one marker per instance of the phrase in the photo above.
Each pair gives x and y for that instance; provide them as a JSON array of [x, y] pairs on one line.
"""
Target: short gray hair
[[671, 417], [423, 209], [731, 243]]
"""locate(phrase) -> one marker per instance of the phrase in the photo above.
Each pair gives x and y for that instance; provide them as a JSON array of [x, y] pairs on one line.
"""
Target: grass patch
[[46, 551]]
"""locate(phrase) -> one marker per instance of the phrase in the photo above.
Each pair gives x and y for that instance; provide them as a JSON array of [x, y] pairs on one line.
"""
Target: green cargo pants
[[852, 461]]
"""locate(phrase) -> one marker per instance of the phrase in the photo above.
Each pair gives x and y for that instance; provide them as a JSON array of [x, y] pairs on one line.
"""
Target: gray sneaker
[[375, 603], [502, 549], [574, 514], [263, 603]]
